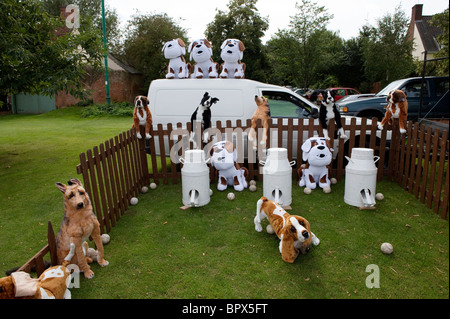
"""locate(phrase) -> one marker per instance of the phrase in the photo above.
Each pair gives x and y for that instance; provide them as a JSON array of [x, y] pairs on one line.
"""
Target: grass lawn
[[159, 251]]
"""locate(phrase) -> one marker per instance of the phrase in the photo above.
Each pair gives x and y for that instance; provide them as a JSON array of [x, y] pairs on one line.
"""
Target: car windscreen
[[389, 87]]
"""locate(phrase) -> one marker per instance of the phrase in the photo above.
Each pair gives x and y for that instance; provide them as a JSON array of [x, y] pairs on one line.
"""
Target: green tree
[[243, 22], [441, 20], [35, 58], [298, 53], [91, 18], [387, 49], [144, 41]]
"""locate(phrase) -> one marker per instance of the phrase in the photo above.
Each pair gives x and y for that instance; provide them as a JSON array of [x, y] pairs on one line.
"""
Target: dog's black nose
[[231, 45], [198, 45], [305, 234], [80, 205], [321, 147]]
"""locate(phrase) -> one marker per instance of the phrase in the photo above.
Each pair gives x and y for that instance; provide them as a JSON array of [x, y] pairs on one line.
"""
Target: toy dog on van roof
[[232, 54], [174, 50], [201, 52]]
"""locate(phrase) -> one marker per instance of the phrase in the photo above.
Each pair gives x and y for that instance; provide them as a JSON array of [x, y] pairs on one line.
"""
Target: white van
[[174, 100]]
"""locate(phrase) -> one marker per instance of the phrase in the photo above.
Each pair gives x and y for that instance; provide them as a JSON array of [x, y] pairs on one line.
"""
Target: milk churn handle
[[292, 163], [262, 163], [349, 159], [377, 158], [206, 162], [181, 160]]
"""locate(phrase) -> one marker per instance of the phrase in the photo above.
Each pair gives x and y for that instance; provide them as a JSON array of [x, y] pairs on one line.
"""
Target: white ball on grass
[[144, 189], [327, 189], [269, 229], [230, 196], [387, 248], [105, 238], [379, 196], [307, 190], [333, 180], [252, 188], [152, 185], [210, 192], [133, 201], [252, 182]]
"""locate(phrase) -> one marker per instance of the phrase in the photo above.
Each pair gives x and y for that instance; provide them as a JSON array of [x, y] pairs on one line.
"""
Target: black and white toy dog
[[328, 110], [202, 113]]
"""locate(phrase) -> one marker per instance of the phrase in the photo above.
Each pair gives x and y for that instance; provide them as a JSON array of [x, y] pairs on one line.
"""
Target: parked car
[[435, 99], [342, 92], [355, 97]]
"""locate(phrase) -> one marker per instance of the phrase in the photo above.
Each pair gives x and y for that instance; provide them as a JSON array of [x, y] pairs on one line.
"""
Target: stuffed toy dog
[[53, 283], [232, 54], [174, 50], [204, 67], [397, 108], [223, 159], [293, 231], [78, 224], [202, 113], [318, 155], [142, 116], [262, 113], [328, 110]]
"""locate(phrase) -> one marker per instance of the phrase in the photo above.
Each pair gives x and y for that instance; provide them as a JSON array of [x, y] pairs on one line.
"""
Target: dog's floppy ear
[[288, 251], [306, 147], [214, 100], [61, 187], [205, 98], [74, 181]]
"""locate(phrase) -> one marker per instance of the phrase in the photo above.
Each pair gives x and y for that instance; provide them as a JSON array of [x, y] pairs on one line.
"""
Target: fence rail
[[116, 170]]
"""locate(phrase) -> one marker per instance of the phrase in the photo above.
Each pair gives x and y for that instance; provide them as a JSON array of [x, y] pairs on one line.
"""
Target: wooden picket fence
[[116, 170]]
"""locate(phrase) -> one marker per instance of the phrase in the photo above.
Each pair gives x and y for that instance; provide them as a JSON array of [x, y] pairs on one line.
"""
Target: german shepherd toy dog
[[78, 224]]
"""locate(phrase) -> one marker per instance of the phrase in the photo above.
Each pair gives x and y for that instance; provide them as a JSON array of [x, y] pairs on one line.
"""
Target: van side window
[[441, 87], [412, 89], [284, 105]]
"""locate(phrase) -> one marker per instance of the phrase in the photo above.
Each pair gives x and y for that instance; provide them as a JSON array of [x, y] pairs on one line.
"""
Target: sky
[[349, 15]]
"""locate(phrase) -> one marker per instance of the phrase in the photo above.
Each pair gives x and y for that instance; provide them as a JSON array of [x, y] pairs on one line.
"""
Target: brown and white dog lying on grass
[[293, 231], [78, 224], [142, 116]]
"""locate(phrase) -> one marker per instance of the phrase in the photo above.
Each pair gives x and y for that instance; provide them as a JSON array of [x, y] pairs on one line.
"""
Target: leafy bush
[[117, 108]]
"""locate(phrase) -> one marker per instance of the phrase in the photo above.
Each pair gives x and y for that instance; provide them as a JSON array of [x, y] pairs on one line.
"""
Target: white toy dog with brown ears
[[174, 50], [318, 155], [223, 159], [232, 54], [204, 67]]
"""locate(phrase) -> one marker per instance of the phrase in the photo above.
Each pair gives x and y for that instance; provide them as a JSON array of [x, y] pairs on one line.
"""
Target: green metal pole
[[108, 99]]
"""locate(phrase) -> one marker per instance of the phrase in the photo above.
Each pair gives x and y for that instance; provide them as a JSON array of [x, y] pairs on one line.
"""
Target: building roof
[[428, 34], [119, 65]]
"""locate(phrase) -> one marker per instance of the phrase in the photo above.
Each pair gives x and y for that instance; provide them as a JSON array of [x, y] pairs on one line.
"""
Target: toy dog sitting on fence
[[203, 114], [53, 283], [318, 155], [262, 113], [142, 116], [293, 231], [232, 54], [223, 159], [204, 67], [175, 50], [78, 224], [328, 110], [397, 108]]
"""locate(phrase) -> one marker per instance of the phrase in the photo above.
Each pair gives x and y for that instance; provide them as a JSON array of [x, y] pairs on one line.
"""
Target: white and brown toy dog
[[223, 159], [174, 50], [203, 114], [201, 52], [397, 108], [262, 113], [79, 223], [293, 231], [142, 116], [232, 54], [328, 111], [318, 155]]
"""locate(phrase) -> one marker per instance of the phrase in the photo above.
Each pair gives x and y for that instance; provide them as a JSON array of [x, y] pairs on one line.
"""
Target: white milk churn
[[361, 178], [195, 179], [277, 176]]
